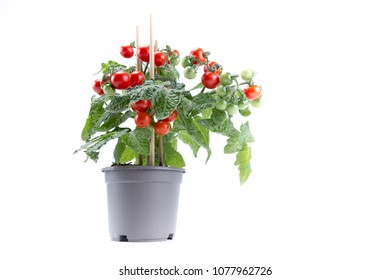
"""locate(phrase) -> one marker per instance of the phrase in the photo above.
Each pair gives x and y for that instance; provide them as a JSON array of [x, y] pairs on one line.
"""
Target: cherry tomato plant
[[148, 117]]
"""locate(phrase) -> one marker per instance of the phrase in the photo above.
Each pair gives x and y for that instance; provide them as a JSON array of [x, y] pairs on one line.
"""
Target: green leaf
[[143, 92], [243, 159], [172, 157], [197, 132], [187, 139], [201, 102], [112, 120], [123, 153], [237, 139], [138, 140], [118, 104], [119, 149], [95, 113], [219, 122], [149, 88], [177, 125], [87, 131], [203, 137], [233, 143], [93, 155], [111, 67], [167, 73], [246, 112], [128, 155], [164, 103], [198, 86], [246, 136], [92, 147], [186, 105], [206, 114]]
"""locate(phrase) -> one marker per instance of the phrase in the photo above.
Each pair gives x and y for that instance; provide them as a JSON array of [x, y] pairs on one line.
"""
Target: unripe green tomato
[[246, 74], [243, 104], [189, 73], [175, 61], [257, 103], [226, 79], [221, 104], [108, 90], [232, 109], [221, 91], [185, 62]]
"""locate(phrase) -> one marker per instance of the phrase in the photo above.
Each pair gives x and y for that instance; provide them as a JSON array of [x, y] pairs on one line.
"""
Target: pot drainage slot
[[123, 238], [170, 236]]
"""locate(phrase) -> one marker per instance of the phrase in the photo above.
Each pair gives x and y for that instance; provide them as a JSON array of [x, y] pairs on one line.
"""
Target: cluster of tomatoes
[[197, 57], [122, 80], [118, 80], [143, 118], [230, 97]]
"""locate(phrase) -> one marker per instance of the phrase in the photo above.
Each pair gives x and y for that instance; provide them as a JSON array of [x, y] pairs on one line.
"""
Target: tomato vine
[[164, 111]]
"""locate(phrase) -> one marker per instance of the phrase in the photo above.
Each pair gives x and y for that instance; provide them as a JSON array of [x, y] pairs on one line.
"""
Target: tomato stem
[[152, 149]]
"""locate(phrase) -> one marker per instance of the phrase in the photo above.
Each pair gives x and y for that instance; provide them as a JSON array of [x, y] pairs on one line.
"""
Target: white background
[[317, 203]]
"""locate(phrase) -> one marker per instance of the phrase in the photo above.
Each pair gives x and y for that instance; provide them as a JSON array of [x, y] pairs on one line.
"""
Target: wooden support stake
[[151, 50], [140, 158], [152, 149], [137, 46]]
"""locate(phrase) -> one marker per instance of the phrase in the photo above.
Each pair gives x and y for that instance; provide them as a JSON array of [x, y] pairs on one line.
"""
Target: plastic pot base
[[142, 202], [123, 238]]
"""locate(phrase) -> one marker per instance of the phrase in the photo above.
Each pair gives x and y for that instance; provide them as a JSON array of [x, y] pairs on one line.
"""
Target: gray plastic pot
[[142, 202]]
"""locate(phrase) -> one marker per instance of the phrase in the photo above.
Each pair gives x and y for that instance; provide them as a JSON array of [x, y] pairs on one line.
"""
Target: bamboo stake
[[137, 46], [155, 49], [151, 50], [151, 75], [140, 159], [160, 139], [152, 149]]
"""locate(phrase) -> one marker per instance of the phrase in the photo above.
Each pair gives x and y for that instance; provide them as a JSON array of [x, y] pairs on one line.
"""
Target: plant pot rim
[[147, 167]]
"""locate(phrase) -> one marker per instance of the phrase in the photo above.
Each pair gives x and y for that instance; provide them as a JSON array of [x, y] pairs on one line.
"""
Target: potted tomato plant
[[147, 111]]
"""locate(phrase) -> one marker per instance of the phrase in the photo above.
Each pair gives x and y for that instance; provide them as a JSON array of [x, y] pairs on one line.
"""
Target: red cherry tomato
[[252, 92], [212, 69], [143, 119], [162, 127], [127, 51], [210, 80], [198, 54], [172, 117], [137, 78], [121, 80], [141, 105], [97, 87], [143, 53], [159, 58]]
